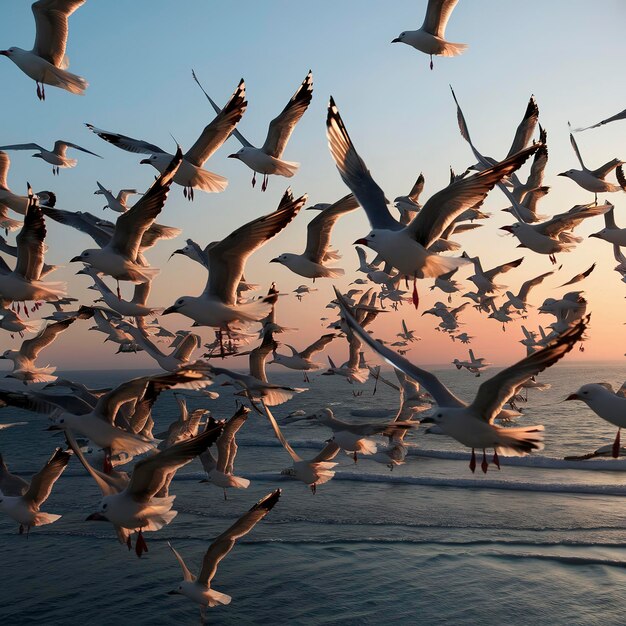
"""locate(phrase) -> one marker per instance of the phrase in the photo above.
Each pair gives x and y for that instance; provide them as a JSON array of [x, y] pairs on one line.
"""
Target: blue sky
[[138, 57]]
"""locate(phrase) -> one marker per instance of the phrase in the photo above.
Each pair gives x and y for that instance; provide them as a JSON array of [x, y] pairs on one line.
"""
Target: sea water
[[540, 541]]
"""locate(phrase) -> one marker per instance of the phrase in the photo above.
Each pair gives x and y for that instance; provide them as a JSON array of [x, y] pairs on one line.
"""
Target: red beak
[[360, 242], [508, 228], [573, 396]]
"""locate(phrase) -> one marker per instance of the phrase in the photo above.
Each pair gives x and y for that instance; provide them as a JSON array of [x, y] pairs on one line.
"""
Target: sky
[[138, 56]]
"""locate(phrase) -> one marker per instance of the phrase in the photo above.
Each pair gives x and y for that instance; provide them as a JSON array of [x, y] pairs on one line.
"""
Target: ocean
[[541, 540]]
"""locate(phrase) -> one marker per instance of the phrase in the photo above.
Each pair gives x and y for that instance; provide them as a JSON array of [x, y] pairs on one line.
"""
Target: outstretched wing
[[138, 146], [226, 541], [437, 16], [42, 482], [317, 346], [30, 348]]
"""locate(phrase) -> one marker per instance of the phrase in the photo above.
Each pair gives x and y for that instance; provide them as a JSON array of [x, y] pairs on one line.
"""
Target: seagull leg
[[472, 463], [225, 497], [615, 450], [264, 183], [185, 191], [129, 543], [354, 456], [484, 466], [43, 91], [496, 460], [254, 179], [107, 466], [21, 530], [313, 488], [140, 544], [415, 296], [431, 62], [119, 293]]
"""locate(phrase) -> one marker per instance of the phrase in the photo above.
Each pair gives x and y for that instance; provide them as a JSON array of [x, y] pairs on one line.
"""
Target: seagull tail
[[436, 265], [330, 272], [41, 519], [158, 520], [285, 168], [519, 441], [58, 77], [239, 483], [215, 598], [252, 311], [209, 181], [368, 446], [49, 291], [449, 49]]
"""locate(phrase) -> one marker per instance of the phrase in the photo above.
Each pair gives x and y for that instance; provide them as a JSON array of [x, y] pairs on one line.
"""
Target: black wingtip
[[268, 502]]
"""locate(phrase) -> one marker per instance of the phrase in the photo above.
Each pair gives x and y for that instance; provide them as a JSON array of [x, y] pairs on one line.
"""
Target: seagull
[[520, 301], [474, 365], [24, 507], [99, 424], [138, 505], [406, 334], [430, 38], [408, 205], [190, 175], [554, 235], [594, 180], [10, 484], [47, 62], [614, 118], [405, 247], [16, 203], [484, 279], [355, 438], [119, 257], [116, 203], [611, 233], [220, 471], [580, 277], [24, 282], [217, 305], [605, 403], [472, 425], [199, 589], [317, 471], [301, 361], [180, 354], [310, 263], [267, 159], [24, 367], [56, 157]]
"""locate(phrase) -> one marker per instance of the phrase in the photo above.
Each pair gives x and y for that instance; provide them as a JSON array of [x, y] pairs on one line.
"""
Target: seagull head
[[280, 259], [600, 234], [399, 38], [370, 241], [567, 174], [237, 155], [509, 228], [7, 53], [83, 257], [181, 302], [591, 392], [151, 160]]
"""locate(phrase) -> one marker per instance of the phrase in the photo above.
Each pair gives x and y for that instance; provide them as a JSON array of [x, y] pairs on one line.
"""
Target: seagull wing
[[130, 226], [502, 269], [138, 146], [282, 125], [42, 482], [30, 246], [526, 127], [244, 142], [321, 226], [607, 168], [30, 348], [187, 575], [460, 195], [618, 116], [218, 131], [51, 24], [572, 218], [228, 257], [61, 146], [442, 395], [279, 435], [437, 16], [149, 474], [85, 222], [23, 146], [5, 163], [355, 174], [416, 190], [529, 284], [227, 439], [579, 277], [576, 150], [317, 346], [226, 541], [327, 453], [493, 393]]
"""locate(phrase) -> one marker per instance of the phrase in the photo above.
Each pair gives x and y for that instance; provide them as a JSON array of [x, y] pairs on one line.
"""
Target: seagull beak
[[170, 309], [428, 420], [360, 242], [175, 252], [76, 259], [173, 593], [508, 228], [573, 396], [276, 260], [562, 174], [396, 40], [96, 517], [53, 427], [595, 235], [4, 53], [232, 156], [144, 162]]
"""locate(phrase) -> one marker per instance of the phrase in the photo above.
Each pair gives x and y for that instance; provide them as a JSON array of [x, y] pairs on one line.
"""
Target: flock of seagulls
[[110, 431]]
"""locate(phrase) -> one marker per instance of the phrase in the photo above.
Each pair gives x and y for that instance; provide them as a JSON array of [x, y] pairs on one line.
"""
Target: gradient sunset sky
[[138, 56]]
